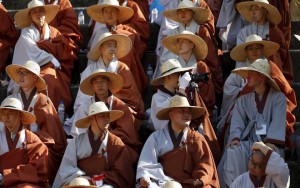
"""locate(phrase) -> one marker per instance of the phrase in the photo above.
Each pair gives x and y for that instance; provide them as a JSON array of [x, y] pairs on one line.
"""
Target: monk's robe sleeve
[[227, 13], [238, 119]]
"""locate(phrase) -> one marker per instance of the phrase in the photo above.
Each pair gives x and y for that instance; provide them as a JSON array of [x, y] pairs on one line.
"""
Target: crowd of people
[[253, 105]]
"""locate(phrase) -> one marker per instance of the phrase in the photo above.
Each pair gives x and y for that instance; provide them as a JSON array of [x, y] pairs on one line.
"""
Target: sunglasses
[[254, 164], [23, 73]]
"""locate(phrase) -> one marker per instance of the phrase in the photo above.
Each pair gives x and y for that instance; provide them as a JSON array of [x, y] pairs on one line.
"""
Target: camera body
[[196, 78]]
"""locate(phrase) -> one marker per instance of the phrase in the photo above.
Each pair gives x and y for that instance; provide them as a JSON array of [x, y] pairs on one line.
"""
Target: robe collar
[[44, 31], [27, 101], [95, 144], [112, 66], [257, 183], [192, 62], [17, 141], [261, 104], [193, 27]]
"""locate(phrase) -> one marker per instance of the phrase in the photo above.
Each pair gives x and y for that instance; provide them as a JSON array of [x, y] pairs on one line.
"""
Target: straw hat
[[12, 103], [79, 182], [98, 108], [273, 15], [96, 12], [123, 45], [179, 102], [23, 18], [200, 14], [31, 66], [260, 65], [238, 53], [169, 67], [115, 85], [172, 184], [200, 50], [297, 37]]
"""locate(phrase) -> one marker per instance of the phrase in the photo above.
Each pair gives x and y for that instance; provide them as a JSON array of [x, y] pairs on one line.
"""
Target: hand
[[233, 143], [145, 181], [184, 80], [198, 182], [56, 63]]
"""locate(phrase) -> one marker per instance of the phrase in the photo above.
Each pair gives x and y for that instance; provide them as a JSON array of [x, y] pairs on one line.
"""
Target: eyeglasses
[[22, 73], [254, 164]]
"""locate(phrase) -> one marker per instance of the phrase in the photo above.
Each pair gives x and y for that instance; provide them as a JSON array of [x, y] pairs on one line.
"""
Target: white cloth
[[3, 139], [260, 30]]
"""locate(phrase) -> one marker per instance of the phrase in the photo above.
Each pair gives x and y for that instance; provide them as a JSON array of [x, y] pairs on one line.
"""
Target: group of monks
[[255, 120]]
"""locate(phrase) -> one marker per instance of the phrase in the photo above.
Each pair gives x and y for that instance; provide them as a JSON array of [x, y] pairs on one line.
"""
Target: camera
[[196, 78]]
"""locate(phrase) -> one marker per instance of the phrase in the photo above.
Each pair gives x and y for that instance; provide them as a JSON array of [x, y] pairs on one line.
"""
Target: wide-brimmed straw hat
[[180, 102], [23, 18], [172, 184], [11, 103], [169, 67], [31, 66], [200, 14], [115, 84], [238, 53], [273, 15], [123, 45], [200, 50], [261, 66], [96, 11], [98, 108], [79, 182]]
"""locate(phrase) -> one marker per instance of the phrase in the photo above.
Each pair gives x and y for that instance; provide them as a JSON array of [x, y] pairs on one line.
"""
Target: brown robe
[[144, 6], [118, 169], [50, 132], [196, 162], [26, 166], [8, 36], [58, 80], [215, 7]]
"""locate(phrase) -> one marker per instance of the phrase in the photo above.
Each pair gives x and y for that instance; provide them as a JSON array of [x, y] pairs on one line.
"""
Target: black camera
[[196, 78]]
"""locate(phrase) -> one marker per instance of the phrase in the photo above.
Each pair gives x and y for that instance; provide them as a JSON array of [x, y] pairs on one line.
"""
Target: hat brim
[[123, 47], [95, 12], [23, 18], [85, 122], [273, 16], [238, 53], [115, 85], [11, 70], [200, 49], [80, 186], [196, 112], [200, 14], [26, 118], [243, 72], [159, 80]]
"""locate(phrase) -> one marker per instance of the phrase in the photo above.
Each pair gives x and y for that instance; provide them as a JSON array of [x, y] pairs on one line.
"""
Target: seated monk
[[47, 125], [114, 16], [23, 156], [97, 152], [105, 55], [8, 36], [46, 46], [177, 152]]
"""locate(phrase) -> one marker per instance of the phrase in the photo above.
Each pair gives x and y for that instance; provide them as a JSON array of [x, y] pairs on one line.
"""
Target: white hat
[[172, 184]]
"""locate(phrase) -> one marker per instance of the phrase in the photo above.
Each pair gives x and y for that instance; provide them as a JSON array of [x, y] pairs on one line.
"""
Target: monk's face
[[100, 85], [184, 46], [100, 121], [110, 15], [256, 79], [10, 119], [108, 49], [255, 165], [185, 15], [26, 79], [254, 52], [258, 14], [172, 80], [180, 117], [38, 16]]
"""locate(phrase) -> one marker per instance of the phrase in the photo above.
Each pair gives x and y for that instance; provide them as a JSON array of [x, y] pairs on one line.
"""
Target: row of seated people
[[196, 47]]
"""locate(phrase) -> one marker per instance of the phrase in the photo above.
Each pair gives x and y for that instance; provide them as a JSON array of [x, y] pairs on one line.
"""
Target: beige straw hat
[[96, 12], [260, 65], [273, 15], [12, 103], [238, 53], [23, 18], [172, 184], [123, 45], [200, 14], [79, 182], [98, 108], [115, 84], [31, 66], [169, 67], [179, 102], [200, 49]]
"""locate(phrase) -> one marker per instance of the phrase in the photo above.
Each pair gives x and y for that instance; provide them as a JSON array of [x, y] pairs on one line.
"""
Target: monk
[[257, 116], [47, 125], [105, 55], [177, 152], [46, 46], [97, 152], [23, 156], [8, 36], [102, 86], [114, 16], [266, 169]]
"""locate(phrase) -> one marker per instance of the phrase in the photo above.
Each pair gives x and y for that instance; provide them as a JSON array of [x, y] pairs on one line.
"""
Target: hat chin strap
[[14, 126], [102, 131]]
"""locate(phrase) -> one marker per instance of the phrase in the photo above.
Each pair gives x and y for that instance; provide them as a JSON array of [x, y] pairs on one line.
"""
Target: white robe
[[277, 175], [4, 145], [260, 30]]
